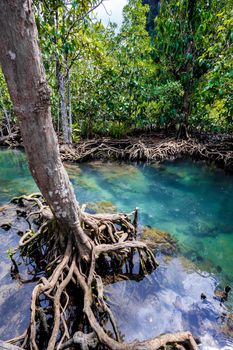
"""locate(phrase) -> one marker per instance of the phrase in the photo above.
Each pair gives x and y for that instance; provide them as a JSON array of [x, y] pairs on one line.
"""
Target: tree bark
[[63, 106], [69, 106], [23, 69], [7, 117]]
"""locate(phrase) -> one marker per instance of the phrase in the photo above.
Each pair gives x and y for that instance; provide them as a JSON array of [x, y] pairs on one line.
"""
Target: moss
[[88, 183], [101, 207], [73, 170], [227, 327], [114, 170], [159, 240], [187, 264]]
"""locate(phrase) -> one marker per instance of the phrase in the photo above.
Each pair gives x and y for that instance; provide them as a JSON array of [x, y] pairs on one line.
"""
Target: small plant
[[10, 252], [75, 133], [118, 130]]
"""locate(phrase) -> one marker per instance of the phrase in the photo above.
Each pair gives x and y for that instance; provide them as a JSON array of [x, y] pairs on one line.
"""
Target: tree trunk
[[61, 86], [69, 106], [23, 69], [63, 105], [182, 132], [7, 117]]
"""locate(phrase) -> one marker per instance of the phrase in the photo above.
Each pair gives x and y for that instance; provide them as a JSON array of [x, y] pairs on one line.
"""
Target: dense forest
[[169, 64]]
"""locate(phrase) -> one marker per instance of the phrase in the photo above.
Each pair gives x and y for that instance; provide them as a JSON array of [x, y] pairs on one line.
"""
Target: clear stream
[[191, 201]]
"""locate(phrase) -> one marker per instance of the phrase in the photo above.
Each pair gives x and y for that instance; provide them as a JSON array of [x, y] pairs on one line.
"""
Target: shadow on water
[[190, 201]]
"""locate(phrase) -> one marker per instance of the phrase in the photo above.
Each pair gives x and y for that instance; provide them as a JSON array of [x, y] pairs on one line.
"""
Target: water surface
[[191, 201]]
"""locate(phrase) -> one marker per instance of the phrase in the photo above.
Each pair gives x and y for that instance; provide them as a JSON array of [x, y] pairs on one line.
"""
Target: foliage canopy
[[169, 63]]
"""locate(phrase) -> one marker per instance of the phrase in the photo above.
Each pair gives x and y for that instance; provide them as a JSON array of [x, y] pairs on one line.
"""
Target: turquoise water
[[191, 201]]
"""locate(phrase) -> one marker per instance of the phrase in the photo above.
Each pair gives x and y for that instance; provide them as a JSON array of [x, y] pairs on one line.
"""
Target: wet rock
[[101, 207], [218, 269], [227, 328], [203, 296], [222, 295], [194, 256], [159, 240], [199, 258], [13, 219], [230, 322], [6, 226], [21, 213]]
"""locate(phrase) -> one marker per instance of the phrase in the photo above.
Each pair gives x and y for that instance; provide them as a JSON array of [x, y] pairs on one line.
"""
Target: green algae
[[114, 172], [159, 240], [101, 207]]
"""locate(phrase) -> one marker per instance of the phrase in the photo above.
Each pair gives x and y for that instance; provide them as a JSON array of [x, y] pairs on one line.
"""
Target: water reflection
[[170, 301]]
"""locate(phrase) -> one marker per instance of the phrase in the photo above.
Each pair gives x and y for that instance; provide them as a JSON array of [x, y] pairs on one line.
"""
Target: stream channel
[[189, 200]]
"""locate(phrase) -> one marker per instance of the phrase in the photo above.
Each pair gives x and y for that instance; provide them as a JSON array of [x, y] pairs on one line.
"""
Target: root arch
[[112, 236]]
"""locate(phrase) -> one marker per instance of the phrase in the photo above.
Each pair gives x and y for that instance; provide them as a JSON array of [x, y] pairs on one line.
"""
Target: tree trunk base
[[66, 275]]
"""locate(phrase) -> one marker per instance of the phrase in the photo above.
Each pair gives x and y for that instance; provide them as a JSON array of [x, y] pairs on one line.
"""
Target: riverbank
[[152, 147]]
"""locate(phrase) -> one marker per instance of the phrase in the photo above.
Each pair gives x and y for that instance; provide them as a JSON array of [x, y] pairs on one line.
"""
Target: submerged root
[[113, 238]]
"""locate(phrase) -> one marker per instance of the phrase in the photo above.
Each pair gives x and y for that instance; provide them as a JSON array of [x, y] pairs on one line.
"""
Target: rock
[[227, 328], [6, 226], [7, 216], [14, 218], [159, 240], [222, 295], [21, 213], [230, 322], [203, 296]]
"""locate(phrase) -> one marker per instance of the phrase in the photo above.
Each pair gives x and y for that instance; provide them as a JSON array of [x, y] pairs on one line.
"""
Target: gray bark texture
[[63, 105], [22, 66], [6, 115], [70, 107]]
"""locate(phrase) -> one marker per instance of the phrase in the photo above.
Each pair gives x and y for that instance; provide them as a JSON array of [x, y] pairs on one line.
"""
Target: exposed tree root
[[13, 139], [113, 242], [152, 148]]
